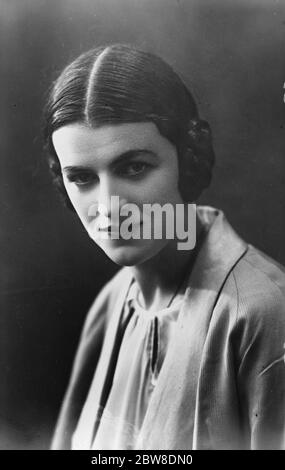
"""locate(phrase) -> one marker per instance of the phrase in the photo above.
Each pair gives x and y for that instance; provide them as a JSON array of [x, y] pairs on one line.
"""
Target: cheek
[[80, 202], [161, 188]]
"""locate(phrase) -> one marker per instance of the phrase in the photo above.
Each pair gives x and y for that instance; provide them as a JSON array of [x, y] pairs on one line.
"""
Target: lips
[[109, 229], [116, 228]]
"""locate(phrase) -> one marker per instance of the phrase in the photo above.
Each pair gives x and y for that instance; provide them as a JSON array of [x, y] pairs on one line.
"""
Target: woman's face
[[131, 161]]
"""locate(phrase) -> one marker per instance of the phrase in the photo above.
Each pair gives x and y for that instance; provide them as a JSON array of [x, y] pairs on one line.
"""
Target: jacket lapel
[[102, 380], [113, 328], [170, 419]]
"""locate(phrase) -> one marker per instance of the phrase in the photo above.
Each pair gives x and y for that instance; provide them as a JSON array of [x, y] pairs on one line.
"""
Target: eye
[[134, 169], [82, 178]]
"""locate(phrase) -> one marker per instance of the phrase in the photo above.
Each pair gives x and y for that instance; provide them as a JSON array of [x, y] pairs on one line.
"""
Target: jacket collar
[[173, 402]]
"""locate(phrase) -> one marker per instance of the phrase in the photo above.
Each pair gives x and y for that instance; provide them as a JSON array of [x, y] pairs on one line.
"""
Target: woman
[[182, 349]]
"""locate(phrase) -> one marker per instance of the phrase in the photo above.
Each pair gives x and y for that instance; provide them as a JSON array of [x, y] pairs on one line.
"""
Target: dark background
[[231, 54]]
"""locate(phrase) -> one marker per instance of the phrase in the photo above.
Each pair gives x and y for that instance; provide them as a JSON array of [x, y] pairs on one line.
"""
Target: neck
[[159, 278]]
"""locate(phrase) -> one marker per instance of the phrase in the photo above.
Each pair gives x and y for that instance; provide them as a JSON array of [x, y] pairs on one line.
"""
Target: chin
[[132, 253]]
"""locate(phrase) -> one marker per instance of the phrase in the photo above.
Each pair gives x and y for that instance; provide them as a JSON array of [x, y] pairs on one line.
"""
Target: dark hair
[[121, 84]]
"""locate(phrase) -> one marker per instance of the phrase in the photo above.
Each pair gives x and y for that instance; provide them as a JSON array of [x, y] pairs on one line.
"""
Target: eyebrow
[[123, 157]]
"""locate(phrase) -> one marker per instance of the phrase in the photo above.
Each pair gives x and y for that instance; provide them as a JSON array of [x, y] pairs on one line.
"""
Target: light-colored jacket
[[222, 383]]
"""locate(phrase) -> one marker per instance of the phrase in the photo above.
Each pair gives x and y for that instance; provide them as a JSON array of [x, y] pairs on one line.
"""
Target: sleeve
[[261, 373]]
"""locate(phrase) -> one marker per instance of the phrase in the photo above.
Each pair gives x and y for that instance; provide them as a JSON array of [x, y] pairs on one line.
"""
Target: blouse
[[147, 335]]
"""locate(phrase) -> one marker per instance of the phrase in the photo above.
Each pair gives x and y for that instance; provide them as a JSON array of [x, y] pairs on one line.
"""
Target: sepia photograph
[[142, 278]]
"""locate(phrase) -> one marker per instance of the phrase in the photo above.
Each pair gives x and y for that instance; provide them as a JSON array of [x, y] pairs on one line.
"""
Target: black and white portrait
[[142, 225]]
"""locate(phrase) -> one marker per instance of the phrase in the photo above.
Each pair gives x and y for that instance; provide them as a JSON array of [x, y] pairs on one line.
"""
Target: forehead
[[76, 141]]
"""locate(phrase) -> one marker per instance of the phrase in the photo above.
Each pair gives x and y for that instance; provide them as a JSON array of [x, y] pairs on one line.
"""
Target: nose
[[105, 192], [107, 198]]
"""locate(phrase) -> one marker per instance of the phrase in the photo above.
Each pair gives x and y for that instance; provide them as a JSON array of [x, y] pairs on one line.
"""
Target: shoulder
[[260, 284], [255, 290], [262, 271], [256, 282], [104, 302]]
